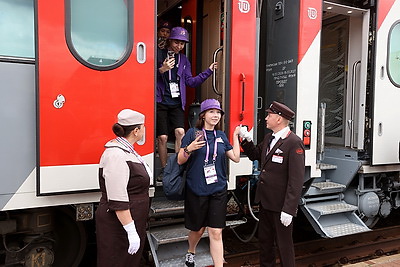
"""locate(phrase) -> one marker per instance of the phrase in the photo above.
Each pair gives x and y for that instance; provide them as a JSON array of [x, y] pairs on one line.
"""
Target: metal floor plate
[[345, 229], [173, 255], [171, 234], [158, 206], [331, 207], [327, 185]]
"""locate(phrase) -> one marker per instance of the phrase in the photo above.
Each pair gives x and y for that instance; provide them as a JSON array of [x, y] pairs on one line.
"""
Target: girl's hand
[[196, 144], [167, 65], [213, 66]]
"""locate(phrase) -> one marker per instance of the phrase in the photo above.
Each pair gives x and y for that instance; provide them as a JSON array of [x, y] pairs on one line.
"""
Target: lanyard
[[177, 65], [208, 148], [129, 146]]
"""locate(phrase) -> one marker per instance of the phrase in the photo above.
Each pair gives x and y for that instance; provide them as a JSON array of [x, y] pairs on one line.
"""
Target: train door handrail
[[214, 77]]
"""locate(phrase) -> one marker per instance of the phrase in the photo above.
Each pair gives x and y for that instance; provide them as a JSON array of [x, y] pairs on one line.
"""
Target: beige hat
[[128, 117]]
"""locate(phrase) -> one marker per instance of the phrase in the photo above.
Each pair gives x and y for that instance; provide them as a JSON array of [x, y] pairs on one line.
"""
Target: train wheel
[[70, 239]]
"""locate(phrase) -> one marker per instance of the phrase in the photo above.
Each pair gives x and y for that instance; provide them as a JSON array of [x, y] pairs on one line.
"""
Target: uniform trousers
[[272, 233]]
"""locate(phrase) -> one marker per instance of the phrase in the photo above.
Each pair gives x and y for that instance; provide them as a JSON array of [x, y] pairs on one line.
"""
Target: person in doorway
[[282, 166], [124, 179], [206, 148], [163, 32], [173, 75]]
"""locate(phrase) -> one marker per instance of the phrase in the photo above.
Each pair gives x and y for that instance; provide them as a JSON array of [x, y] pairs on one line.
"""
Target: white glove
[[245, 134], [286, 219], [133, 237]]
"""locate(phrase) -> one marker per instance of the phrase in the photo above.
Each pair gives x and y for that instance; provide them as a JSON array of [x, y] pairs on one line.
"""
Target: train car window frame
[[103, 62], [17, 29], [393, 54]]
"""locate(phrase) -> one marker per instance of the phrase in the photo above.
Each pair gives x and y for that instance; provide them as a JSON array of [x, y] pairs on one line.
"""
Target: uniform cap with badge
[[281, 109]]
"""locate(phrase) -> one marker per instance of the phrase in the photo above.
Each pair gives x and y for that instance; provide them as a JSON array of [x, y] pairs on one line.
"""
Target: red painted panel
[[242, 57], [76, 133], [310, 21], [384, 7]]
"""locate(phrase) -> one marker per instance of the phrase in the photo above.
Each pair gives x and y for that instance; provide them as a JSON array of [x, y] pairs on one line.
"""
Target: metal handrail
[[214, 77]]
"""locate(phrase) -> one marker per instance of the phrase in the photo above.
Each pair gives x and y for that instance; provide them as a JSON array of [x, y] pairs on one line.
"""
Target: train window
[[98, 32], [394, 54], [17, 28]]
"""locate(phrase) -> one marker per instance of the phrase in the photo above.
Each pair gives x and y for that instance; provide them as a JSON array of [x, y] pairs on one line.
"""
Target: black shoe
[[189, 259], [160, 176]]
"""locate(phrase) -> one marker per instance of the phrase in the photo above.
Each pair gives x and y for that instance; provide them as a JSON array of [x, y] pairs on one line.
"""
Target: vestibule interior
[[205, 21], [343, 74]]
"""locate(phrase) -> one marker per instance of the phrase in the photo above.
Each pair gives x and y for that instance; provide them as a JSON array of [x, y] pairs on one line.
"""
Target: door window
[[394, 55], [17, 38], [98, 32]]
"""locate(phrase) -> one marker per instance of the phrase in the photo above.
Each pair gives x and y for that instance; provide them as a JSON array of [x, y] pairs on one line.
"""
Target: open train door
[[386, 138], [241, 63], [227, 34], [95, 58]]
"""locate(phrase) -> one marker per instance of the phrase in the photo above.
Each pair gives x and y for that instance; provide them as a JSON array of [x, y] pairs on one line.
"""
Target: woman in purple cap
[[173, 75], [206, 147]]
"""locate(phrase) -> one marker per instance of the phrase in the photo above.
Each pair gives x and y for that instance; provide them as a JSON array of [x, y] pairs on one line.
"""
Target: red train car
[[69, 66]]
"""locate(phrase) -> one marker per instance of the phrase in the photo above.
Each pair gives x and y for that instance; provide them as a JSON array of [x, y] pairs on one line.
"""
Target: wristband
[[186, 150]]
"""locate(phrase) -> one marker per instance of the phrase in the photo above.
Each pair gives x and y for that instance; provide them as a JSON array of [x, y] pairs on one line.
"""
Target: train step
[[169, 244], [176, 233], [330, 207], [160, 207], [328, 186], [334, 218], [326, 166], [343, 229], [170, 234], [173, 254]]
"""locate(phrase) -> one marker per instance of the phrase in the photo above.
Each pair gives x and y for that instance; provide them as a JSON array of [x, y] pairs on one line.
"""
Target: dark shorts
[[169, 118], [205, 211]]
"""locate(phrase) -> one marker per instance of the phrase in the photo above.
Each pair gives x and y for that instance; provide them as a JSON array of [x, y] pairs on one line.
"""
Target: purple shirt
[[184, 74]]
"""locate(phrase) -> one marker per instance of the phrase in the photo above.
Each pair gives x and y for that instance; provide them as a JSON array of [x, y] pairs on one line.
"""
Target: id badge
[[174, 89], [277, 159], [210, 173]]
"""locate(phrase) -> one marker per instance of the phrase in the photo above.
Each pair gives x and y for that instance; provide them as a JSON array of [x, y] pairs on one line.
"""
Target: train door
[[228, 36], [17, 89], [386, 138], [343, 73], [92, 63]]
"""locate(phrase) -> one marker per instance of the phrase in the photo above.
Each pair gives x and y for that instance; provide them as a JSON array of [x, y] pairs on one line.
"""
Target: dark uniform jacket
[[282, 172]]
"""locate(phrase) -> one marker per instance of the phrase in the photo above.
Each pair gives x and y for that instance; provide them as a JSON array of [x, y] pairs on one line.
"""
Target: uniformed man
[[282, 166]]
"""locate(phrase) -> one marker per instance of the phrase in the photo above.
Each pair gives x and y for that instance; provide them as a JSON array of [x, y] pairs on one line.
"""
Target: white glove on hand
[[286, 219], [245, 134], [133, 237]]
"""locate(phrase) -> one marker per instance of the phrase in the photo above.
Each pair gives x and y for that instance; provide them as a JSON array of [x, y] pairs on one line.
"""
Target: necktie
[[269, 143]]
